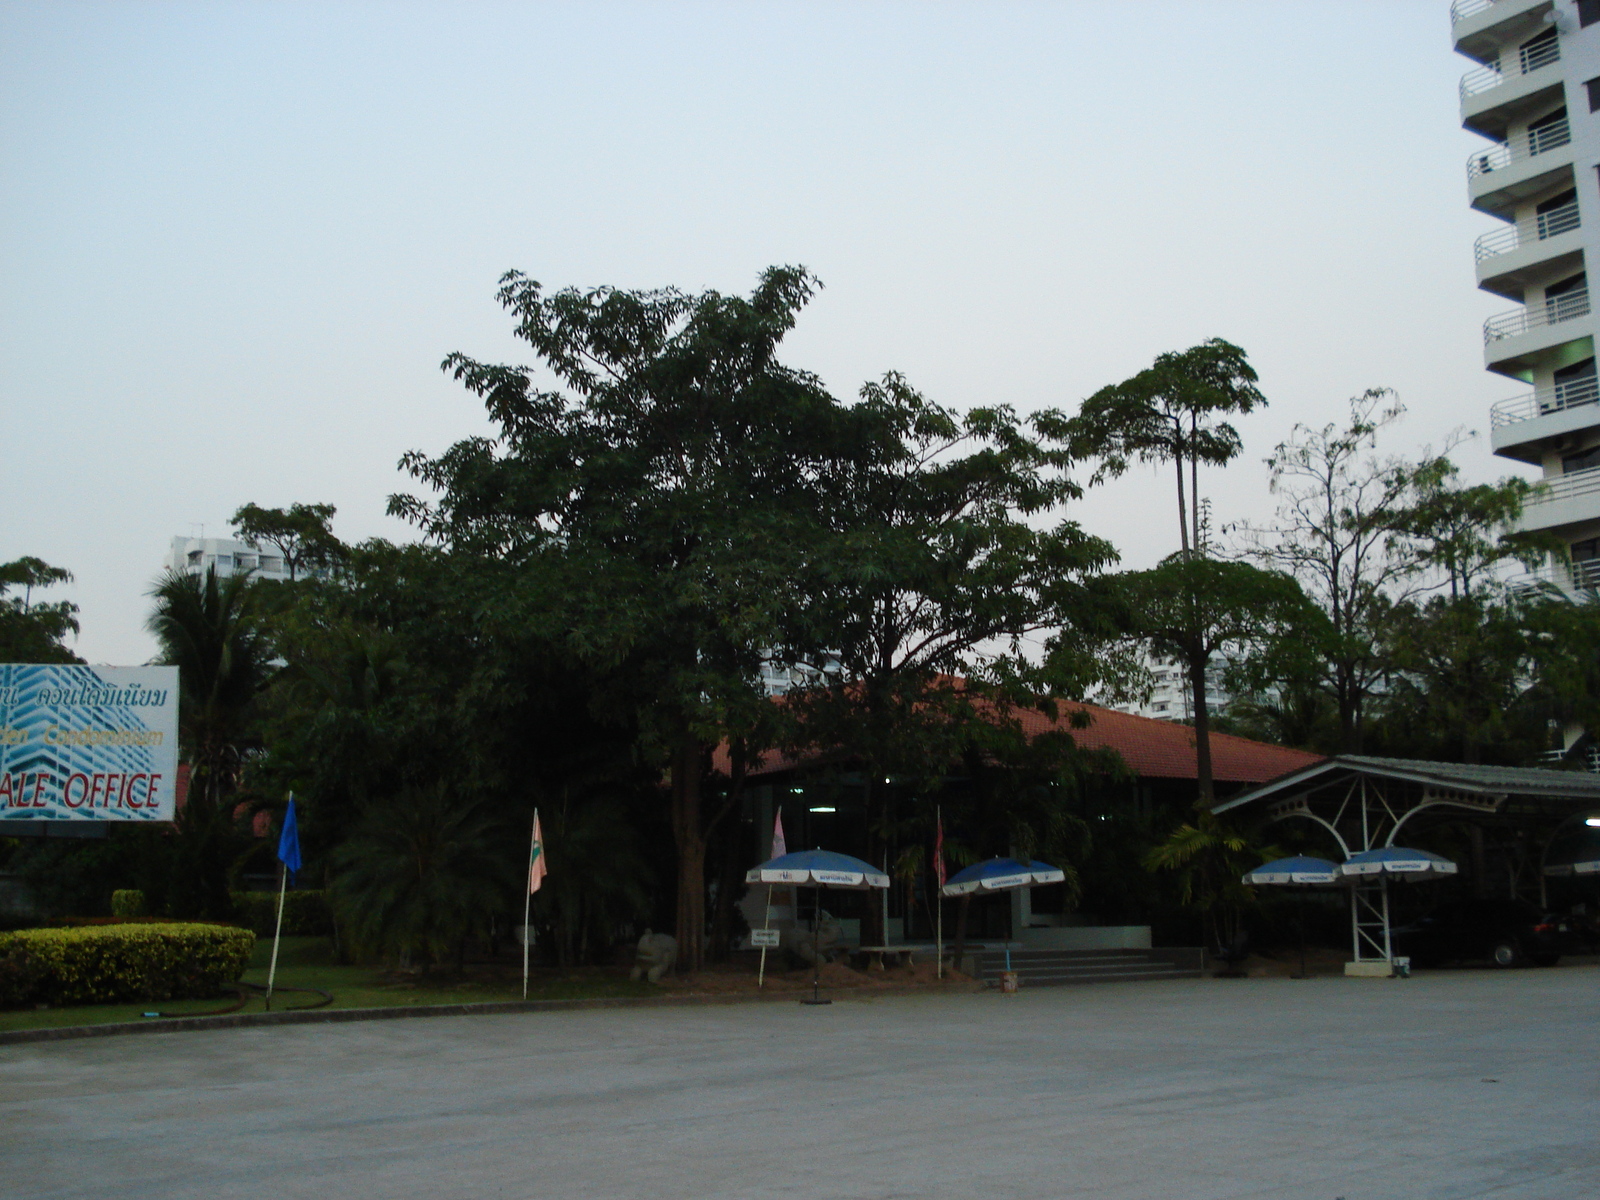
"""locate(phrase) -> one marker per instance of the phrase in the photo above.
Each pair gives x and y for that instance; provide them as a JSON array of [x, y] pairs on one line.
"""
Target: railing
[[1535, 229], [1525, 145], [1528, 60], [1581, 576], [1462, 9], [1553, 311], [1565, 487], [1544, 402]]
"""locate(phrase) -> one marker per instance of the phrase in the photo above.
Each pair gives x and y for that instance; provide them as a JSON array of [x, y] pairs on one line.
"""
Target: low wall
[[1086, 937]]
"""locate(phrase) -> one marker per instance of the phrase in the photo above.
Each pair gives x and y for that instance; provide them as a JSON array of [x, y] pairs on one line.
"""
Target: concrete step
[[1046, 968]]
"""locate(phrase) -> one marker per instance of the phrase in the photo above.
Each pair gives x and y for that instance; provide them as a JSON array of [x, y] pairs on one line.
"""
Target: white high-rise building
[[228, 556], [1535, 94]]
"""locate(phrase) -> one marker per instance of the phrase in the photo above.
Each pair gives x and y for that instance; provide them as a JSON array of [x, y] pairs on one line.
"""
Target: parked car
[[1509, 933]]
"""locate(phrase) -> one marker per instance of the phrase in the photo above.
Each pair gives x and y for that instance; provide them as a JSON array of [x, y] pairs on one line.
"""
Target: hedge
[[109, 963], [305, 913]]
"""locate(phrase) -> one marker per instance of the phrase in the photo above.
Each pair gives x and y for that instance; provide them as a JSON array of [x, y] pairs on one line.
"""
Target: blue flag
[[289, 842]]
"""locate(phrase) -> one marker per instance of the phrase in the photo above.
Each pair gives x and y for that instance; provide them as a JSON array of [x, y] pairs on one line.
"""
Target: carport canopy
[[1364, 801]]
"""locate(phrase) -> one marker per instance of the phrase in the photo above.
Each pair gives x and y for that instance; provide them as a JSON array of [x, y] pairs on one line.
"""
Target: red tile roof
[[1152, 749], [1163, 750]]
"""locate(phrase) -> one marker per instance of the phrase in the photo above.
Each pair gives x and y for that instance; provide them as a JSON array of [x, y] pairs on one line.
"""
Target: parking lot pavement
[[1453, 1084]]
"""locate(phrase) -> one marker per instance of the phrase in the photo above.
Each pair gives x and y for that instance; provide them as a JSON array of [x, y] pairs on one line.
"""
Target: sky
[[237, 239]]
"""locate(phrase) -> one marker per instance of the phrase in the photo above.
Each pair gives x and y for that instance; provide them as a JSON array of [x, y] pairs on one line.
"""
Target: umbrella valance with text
[[818, 868]]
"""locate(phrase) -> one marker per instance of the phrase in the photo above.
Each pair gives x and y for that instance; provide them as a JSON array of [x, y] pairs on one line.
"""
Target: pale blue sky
[[236, 239]]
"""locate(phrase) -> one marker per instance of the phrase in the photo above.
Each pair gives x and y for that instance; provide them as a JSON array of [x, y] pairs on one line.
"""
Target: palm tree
[[420, 871], [207, 628]]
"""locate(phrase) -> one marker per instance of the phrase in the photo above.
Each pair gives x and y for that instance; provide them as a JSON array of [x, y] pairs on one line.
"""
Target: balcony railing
[[1566, 487], [1462, 9], [1535, 229], [1569, 577], [1525, 145], [1553, 311], [1526, 61], [1544, 402]]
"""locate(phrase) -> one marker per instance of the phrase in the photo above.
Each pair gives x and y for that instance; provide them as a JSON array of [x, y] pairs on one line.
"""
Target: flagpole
[[527, 900], [277, 934], [938, 902]]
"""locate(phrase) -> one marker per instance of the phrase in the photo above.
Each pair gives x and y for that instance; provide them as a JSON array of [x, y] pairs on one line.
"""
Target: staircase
[[1041, 968]]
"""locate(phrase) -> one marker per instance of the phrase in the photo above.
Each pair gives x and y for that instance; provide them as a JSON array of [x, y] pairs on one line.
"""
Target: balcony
[[1479, 28], [1567, 577], [1510, 89], [1564, 501], [1509, 260], [1568, 306], [1502, 176], [1522, 426]]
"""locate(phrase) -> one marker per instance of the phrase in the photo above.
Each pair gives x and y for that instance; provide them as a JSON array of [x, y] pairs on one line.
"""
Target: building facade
[[1534, 93], [1170, 697], [227, 556]]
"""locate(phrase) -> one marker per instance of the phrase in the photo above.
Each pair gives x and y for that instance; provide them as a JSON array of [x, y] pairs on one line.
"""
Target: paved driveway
[[1470, 1083]]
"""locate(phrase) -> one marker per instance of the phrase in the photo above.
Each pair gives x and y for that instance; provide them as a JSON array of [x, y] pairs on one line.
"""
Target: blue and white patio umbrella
[[1396, 862], [1300, 870], [1001, 875], [818, 869], [1585, 866]]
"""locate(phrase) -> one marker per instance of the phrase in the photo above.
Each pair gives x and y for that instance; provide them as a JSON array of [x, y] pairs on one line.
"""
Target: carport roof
[[1527, 782]]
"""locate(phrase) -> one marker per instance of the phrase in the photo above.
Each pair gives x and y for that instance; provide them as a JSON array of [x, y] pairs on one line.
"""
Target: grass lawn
[[308, 962]]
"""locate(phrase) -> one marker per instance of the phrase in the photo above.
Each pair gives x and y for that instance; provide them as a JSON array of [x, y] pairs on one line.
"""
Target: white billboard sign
[[88, 743]]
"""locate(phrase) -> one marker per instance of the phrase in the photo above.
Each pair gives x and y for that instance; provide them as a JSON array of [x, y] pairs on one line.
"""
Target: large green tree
[[35, 631], [943, 553], [1174, 411], [658, 503], [301, 534]]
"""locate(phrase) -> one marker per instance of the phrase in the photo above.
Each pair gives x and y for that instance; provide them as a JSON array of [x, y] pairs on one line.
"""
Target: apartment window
[[1559, 214], [1574, 385], [1549, 132], [1585, 551], [1567, 299], [1588, 12], [1593, 87], [1538, 52], [1584, 460]]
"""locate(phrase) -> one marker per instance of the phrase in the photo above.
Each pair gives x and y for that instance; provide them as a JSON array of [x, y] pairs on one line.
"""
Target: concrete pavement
[[1450, 1084]]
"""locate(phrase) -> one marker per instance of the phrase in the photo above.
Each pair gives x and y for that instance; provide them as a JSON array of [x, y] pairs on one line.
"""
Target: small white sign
[[764, 939]]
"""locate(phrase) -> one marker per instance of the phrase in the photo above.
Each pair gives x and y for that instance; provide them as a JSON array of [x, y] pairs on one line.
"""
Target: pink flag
[[779, 846], [536, 864]]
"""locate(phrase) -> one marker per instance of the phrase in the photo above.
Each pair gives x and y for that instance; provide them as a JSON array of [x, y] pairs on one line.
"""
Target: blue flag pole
[[289, 857]]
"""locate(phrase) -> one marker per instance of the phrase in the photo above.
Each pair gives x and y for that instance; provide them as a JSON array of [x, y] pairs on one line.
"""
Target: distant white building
[[228, 556], [779, 677], [1170, 698]]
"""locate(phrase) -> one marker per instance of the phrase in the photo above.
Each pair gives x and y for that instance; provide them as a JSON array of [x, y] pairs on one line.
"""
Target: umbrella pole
[[761, 974], [1300, 912], [816, 953], [938, 954]]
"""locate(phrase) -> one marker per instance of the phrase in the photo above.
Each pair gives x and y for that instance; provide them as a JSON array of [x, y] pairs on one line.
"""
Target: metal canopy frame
[[1354, 798]]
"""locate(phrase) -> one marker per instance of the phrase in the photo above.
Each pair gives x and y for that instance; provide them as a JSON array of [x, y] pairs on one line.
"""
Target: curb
[[327, 1016]]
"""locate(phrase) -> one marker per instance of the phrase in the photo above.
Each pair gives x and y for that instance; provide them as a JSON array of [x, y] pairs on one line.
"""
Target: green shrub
[[127, 902], [305, 914], [108, 963]]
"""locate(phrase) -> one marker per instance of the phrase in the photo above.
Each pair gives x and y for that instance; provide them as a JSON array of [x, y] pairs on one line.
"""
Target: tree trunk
[[686, 831], [1202, 732], [872, 930], [961, 930], [1183, 516]]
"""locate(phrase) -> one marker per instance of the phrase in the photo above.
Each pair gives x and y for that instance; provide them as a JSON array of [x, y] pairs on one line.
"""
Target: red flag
[[779, 846], [938, 854], [536, 864]]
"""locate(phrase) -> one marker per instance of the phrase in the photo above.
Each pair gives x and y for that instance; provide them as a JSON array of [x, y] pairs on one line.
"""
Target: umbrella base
[[810, 1001]]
